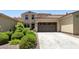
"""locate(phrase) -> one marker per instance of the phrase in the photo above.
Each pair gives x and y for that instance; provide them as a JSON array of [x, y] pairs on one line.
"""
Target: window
[[26, 17], [33, 17]]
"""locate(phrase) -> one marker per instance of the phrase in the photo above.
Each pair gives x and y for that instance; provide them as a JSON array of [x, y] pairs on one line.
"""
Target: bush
[[24, 44], [19, 25], [19, 29], [28, 41], [26, 30], [9, 34], [31, 38], [31, 33], [17, 35], [4, 38], [14, 42]]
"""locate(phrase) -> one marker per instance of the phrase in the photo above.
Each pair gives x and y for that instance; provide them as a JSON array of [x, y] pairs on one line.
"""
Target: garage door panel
[[47, 27]]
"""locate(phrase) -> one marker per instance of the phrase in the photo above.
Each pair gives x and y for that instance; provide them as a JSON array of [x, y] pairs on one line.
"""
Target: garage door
[[47, 27]]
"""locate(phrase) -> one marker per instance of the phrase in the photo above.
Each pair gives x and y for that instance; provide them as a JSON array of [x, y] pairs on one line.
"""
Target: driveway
[[55, 40]]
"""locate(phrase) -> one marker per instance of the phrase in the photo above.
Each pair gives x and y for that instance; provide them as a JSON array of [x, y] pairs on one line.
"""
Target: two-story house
[[43, 22]]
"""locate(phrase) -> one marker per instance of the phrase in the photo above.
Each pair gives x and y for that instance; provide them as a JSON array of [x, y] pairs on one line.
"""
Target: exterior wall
[[30, 20], [29, 17], [76, 23], [48, 20], [41, 18], [6, 23], [67, 23]]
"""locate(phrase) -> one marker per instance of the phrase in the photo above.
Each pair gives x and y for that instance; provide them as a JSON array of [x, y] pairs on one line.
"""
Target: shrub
[[17, 35], [19, 29], [9, 34], [24, 44], [14, 42], [31, 38], [20, 25], [26, 30], [4, 38], [28, 41], [31, 33]]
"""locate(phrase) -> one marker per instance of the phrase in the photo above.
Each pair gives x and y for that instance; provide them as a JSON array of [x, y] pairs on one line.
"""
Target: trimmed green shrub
[[31, 33], [4, 38], [24, 44], [9, 34], [14, 42], [31, 38], [19, 25], [17, 35], [28, 41], [19, 29], [26, 30]]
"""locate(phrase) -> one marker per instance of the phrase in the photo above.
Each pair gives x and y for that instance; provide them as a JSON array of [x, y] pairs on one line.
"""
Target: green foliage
[[26, 30], [31, 33], [4, 38], [21, 35], [31, 38], [24, 44], [17, 35], [28, 41], [14, 42], [9, 33], [19, 27]]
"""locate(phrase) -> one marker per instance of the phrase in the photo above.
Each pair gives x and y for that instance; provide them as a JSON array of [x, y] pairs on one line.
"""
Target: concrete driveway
[[55, 40]]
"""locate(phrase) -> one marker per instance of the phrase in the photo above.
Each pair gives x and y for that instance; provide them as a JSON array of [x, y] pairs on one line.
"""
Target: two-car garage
[[47, 27]]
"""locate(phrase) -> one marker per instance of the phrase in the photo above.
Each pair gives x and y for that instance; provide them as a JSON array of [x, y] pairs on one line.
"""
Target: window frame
[[26, 17], [33, 17]]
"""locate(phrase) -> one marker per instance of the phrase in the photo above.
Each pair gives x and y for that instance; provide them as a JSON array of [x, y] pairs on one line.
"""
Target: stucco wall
[[6, 23], [76, 23], [67, 23], [30, 20]]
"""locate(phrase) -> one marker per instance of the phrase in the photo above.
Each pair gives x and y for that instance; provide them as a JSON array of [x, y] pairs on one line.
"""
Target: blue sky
[[17, 13]]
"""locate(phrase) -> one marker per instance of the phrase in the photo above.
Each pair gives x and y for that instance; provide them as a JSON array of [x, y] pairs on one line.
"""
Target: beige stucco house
[[6, 23], [42, 22]]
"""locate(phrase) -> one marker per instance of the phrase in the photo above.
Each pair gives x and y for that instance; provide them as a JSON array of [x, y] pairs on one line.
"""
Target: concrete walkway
[[57, 40], [7, 46]]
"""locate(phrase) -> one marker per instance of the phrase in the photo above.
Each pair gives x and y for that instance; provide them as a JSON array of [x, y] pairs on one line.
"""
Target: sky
[[17, 13]]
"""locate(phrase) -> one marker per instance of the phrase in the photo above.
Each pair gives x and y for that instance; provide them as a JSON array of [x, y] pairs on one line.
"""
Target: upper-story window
[[33, 17], [26, 17]]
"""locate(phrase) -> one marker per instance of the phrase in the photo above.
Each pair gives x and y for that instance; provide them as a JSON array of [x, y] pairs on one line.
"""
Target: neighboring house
[[6, 23], [42, 22]]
